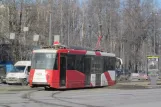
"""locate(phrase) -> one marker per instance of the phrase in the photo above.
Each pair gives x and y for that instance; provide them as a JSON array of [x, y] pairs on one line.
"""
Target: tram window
[[71, 62], [97, 64], [105, 63], [87, 64], [109, 63], [92, 64], [112, 63], [79, 63]]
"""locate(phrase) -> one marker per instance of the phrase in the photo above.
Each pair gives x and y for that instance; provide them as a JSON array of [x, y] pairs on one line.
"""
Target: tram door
[[87, 70], [63, 65]]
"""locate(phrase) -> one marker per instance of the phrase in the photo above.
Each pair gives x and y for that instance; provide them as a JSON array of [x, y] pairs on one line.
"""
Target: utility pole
[[50, 36], [68, 22], [82, 36], [90, 38], [154, 15], [110, 24], [50, 23], [20, 25], [61, 19], [154, 36]]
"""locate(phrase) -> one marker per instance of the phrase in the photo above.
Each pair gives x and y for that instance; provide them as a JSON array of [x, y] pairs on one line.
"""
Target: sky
[[158, 3]]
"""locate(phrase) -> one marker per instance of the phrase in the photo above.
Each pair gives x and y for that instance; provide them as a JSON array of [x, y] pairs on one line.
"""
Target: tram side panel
[[103, 71], [90, 71], [75, 77], [81, 70], [109, 74], [53, 78], [110, 77], [96, 69], [109, 68]]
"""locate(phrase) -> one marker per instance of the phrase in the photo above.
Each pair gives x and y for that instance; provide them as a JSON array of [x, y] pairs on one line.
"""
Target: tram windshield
[[44, 61]]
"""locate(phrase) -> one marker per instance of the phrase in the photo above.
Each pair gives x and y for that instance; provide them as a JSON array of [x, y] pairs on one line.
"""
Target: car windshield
[[44, 61], [18, 69]]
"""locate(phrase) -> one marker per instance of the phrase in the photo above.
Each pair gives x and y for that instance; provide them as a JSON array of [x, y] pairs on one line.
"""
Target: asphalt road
[[97, 97]]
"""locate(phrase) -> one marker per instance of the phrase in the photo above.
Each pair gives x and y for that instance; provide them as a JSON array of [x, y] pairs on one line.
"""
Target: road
[[98, 97]]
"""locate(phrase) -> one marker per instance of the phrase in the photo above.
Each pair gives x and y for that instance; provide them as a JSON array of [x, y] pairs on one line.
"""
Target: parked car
[[20, 74], [143, 75], [140, 75]]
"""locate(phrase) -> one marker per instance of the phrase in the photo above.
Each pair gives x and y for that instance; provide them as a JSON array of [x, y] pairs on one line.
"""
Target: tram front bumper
[[40, 84]]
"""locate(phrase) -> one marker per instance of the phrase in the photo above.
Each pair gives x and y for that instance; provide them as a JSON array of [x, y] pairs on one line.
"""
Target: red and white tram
[[60, 67]]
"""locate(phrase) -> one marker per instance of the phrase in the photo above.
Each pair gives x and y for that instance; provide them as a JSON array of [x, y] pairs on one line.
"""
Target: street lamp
[[155, 14], [50, 32]]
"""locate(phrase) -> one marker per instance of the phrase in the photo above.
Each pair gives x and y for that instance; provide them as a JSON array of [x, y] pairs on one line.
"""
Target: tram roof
[[45, 51], [80, 48], [87, 52], [53, 49]]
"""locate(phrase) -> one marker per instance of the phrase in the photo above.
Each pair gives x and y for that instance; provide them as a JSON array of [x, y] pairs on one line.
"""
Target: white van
[[20, 73]]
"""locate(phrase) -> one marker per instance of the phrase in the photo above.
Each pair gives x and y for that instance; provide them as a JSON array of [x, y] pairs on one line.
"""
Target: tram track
[[28, 96], [62, 99], [57, 100], [5, 106]]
